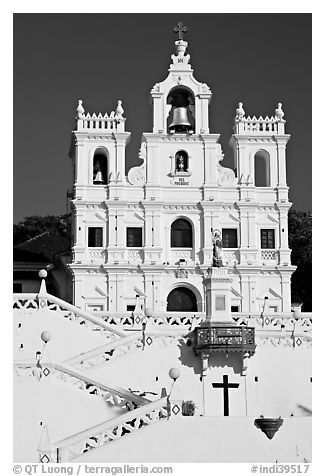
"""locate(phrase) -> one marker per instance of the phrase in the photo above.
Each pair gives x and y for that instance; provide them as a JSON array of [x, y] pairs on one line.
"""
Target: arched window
[[181, 234], [181, 161], [100, 167], [181, 299], [262, 168]]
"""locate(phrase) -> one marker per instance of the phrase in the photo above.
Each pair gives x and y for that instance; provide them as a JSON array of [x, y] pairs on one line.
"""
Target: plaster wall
[[67, 337], [63, 410], [283, 373], [209, 440]]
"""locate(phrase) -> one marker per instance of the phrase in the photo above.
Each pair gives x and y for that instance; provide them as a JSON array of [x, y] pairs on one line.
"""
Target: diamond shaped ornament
[[176, 409], [149, 340]]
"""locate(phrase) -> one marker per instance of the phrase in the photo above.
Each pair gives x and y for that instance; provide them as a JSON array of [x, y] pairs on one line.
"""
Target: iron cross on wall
[[225, 385]]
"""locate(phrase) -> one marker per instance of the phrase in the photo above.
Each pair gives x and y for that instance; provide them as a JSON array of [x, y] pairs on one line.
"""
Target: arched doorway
[[181, 299]]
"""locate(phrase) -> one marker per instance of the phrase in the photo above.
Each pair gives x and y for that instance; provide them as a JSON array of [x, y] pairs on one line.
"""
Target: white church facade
[[152, 230], [181, 344]]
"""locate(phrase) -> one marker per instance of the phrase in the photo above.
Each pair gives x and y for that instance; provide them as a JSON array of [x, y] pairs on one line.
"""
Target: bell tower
[[98, 157], [180, 149], [180, 103]]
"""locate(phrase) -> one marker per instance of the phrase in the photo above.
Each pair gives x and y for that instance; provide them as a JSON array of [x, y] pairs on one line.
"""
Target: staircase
[[114, 395], [102, 434], [137, 411], [47, 302]]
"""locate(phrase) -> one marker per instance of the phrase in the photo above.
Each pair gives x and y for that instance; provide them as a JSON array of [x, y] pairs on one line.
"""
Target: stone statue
[[180, 164], [217, 249]]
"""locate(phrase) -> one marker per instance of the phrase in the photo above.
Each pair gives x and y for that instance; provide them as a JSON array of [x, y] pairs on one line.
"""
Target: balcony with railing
[[225, 339]]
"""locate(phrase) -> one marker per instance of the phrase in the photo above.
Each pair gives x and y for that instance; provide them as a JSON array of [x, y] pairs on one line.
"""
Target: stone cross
[[180, 29], [226, 386]]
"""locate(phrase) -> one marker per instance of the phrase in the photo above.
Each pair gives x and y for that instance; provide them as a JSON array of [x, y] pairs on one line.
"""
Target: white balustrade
[[275, 322], [100, 123], [105, 353], [127, 319], [102, 434], [268, 255], [268, 125], [25, 301], [230, 257], [176, 254], [95, 255], [186, 319], [114, 395], [68, 311], [134, 256], [123, 319]]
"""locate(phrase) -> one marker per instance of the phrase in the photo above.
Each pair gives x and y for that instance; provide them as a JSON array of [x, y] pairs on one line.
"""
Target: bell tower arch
[[181, 89]]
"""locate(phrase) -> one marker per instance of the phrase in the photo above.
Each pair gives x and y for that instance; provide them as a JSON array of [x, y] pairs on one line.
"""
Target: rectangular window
[[130, 307], [134, 237], [95, 237], [229, 238], [267, 239], [234, 308], [18, 287]]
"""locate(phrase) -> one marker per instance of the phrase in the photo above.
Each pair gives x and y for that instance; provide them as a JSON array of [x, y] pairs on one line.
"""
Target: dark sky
[[260, 59]]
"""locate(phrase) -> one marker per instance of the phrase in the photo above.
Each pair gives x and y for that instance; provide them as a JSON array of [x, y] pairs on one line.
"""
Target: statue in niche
[[217, 249], [181, 162]]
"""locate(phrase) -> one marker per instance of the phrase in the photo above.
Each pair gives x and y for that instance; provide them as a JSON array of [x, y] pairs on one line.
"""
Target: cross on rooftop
[[180, 29]]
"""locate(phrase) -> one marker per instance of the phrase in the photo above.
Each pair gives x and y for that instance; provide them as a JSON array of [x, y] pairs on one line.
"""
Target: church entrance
[[181, 299]]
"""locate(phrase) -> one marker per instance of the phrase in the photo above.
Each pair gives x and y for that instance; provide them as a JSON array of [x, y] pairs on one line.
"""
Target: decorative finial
[[42, 274], [240, 113], [279, 112], [180, 29], [80, 109], [119, 109]]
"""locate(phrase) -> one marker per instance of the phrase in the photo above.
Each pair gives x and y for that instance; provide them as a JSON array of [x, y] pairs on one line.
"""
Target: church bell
[[98, 176], [180, 122]]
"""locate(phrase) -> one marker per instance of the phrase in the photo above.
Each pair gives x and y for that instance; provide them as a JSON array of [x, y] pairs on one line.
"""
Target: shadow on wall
[[217, 359]]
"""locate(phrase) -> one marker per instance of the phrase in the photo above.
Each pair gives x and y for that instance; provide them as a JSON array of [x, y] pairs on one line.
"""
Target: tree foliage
[[300, 242], [34, 225]]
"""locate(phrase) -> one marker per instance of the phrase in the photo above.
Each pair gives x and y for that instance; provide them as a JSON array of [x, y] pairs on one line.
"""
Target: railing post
[[45, 448], [174, 400], [42, 295]]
